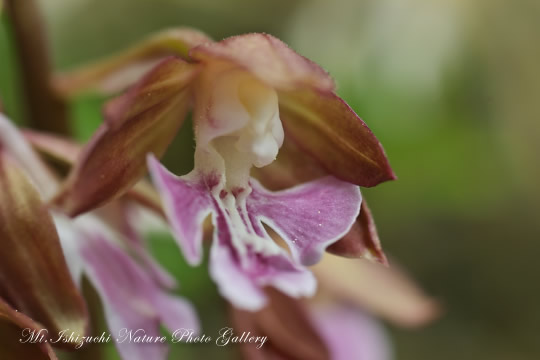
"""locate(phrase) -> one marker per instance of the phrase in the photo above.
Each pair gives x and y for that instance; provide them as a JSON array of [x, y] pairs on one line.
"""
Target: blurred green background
[[452, 90]]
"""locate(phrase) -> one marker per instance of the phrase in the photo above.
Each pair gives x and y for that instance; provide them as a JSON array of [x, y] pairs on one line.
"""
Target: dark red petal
[[143, 120], [64, 152], [362, 240], [326, 128]]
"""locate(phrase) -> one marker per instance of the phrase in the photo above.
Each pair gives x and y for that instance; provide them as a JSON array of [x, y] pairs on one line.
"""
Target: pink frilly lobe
[[309, 217]]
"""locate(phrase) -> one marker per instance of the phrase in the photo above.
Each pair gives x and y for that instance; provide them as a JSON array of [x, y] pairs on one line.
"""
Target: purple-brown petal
[[63, 152], [33, 270], [143, 120], [362, 240], [118, 71], [268, 59], [15, 331], [326, 128]]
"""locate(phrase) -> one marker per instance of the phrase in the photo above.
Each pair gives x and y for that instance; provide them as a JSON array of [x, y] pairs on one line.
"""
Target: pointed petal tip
[[387, 174], [362, 240], [378, 257], [67, 201], [61, 201]]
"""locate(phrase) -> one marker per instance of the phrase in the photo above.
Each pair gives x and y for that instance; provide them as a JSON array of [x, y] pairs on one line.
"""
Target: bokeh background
[[452, 90]]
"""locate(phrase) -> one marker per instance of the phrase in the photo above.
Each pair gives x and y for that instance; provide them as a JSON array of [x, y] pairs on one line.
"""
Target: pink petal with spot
[[309, 217]]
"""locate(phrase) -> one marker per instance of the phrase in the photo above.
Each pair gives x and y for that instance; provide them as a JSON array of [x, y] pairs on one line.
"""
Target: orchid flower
[[133, 288], [249, 94]]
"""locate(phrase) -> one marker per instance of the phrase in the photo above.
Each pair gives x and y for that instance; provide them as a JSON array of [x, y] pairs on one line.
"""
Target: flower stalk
[[44, 109]]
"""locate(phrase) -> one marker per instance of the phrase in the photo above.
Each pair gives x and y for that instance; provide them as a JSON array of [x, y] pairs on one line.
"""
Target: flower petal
[[14, 327], [63, 152], [242, 286], [187, 203], [293, 167], [234, 284], [383, 291], [308, 217], [268, 58], [351, 334], [144, 120], [131, 227], [325, 127], [362, 240], [242, 277], [14, 143], [117, 72], [33, 270], [132, 301]]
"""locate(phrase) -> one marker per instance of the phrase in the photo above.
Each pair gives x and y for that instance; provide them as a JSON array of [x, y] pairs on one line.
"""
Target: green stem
[[45, 110]]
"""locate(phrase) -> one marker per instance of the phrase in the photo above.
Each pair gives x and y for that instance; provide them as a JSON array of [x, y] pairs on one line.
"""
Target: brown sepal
[[144, 120], [33, 271]]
